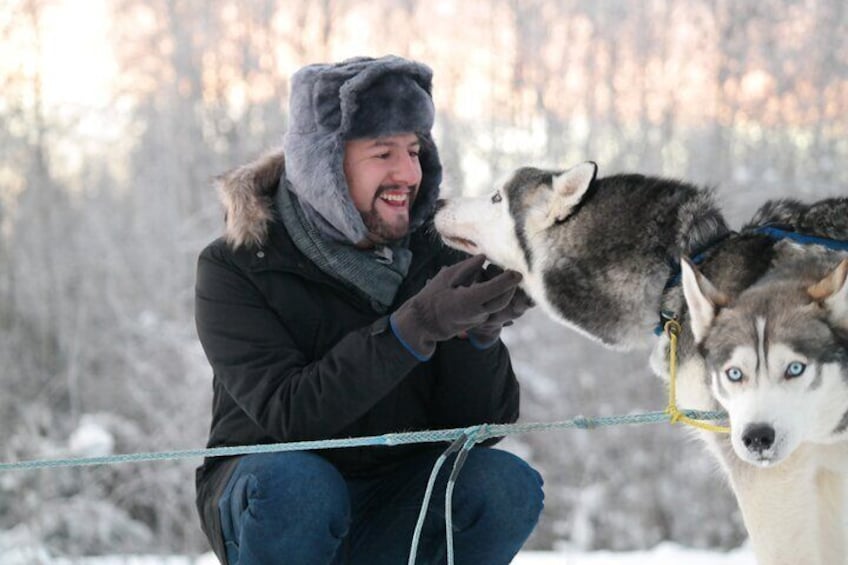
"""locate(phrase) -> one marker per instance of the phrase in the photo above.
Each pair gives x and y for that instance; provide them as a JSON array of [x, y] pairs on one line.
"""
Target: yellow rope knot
[[674, 414], [673, 329]]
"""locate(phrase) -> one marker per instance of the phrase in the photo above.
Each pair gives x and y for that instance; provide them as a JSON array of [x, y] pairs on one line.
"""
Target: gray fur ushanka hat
[[357, 98]]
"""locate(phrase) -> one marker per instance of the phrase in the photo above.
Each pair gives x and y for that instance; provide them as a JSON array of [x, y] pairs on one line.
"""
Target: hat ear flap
[[431, 179], [569, 188]]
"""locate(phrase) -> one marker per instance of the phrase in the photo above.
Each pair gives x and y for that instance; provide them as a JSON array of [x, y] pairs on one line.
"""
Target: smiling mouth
[[395, 196], [395, 200]]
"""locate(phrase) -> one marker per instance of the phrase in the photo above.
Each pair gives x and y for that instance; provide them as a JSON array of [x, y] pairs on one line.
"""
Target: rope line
[[428, 493], [473, 434], [672, 328], [457, 467], [427, 436]]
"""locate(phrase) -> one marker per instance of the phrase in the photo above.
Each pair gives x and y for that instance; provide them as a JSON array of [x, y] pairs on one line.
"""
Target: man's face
[[383, 175]]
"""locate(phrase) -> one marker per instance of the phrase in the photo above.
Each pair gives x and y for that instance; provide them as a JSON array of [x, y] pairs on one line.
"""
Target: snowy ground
[[19, 547], [664, 554]]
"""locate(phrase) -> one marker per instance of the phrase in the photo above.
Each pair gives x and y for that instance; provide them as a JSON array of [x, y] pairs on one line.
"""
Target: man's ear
[[569, 187], [832, 293], [702, 298]]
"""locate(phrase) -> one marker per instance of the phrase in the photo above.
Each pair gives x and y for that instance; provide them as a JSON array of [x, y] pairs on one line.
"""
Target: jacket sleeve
[[255, 358], [475, 386]]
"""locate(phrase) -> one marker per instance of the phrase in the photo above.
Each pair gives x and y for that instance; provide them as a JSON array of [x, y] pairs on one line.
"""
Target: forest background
[[115, 115]]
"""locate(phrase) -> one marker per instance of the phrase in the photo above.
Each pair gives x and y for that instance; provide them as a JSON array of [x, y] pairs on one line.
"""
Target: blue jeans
[[295, 508]]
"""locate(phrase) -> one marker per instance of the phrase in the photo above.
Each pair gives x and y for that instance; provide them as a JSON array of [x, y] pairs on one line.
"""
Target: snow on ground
[[663, 554], [19, 547]]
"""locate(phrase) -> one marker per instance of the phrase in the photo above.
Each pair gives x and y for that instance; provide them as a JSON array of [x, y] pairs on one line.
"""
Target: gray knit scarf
[[374, 274]]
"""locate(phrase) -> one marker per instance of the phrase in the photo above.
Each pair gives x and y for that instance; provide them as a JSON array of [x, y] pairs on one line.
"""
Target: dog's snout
[[758, 437], [440, 203]]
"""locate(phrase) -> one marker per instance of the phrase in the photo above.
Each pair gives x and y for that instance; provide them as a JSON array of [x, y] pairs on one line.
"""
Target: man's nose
[[407, 170]]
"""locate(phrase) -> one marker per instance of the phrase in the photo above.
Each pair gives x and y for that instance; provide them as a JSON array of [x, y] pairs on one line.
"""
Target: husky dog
[[595, 253], [777, 361], [603, 256]]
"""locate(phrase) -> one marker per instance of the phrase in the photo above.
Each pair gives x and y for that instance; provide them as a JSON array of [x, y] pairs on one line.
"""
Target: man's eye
[[496, 198]]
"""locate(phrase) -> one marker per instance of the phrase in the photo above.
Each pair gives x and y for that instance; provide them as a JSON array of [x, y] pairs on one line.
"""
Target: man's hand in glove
[[452, 302], [486, 334]]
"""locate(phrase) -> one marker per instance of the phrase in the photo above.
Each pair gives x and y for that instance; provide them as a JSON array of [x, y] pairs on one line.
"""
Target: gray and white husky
[[765, 322]]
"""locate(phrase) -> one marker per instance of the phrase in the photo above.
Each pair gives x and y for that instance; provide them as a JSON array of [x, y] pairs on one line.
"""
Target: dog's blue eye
[[795, 369], [496, 198], [734, 374]]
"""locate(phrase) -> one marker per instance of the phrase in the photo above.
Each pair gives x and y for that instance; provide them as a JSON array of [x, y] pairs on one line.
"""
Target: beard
[[381, 229]]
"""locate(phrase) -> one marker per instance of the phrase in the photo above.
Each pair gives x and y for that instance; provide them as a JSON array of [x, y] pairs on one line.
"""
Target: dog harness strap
[[777, 233], [697, 256]]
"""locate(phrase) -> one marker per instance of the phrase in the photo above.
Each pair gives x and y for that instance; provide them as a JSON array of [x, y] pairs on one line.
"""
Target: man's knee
[[294, 489], [502, 486]]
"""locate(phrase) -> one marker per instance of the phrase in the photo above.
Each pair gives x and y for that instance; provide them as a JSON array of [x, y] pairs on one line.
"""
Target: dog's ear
[[832, 293], [702, 298], [569, 188]]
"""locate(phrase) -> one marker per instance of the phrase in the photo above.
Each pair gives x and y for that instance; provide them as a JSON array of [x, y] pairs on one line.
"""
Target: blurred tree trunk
[[731, 20]]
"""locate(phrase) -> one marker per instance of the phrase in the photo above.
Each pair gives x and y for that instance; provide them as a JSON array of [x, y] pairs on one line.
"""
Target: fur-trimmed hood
[[247, 194]]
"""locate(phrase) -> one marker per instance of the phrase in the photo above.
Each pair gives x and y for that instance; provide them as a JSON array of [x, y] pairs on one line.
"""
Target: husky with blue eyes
[[777, 361], [764, 320], [777, 354]]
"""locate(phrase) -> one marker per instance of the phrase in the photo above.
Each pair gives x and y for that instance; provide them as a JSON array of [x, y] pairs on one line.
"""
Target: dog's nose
[[440, 203], [758, 437]]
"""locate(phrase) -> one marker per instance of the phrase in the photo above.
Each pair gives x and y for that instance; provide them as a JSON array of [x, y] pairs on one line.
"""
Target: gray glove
[[486, 334], [452, 302]]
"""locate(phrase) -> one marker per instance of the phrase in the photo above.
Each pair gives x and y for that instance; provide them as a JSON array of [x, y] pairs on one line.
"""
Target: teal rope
[[467, 440], [428, 436], [428, 493], [457, 466]]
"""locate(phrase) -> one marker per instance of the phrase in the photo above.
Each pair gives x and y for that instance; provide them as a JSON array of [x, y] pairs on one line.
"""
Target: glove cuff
[[405, 330], [483, 340]]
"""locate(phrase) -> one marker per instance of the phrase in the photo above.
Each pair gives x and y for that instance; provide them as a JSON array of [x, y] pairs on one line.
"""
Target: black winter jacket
[[298, 356]]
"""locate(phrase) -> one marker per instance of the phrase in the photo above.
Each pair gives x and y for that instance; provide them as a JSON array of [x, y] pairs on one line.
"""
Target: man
[[328, 310]]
